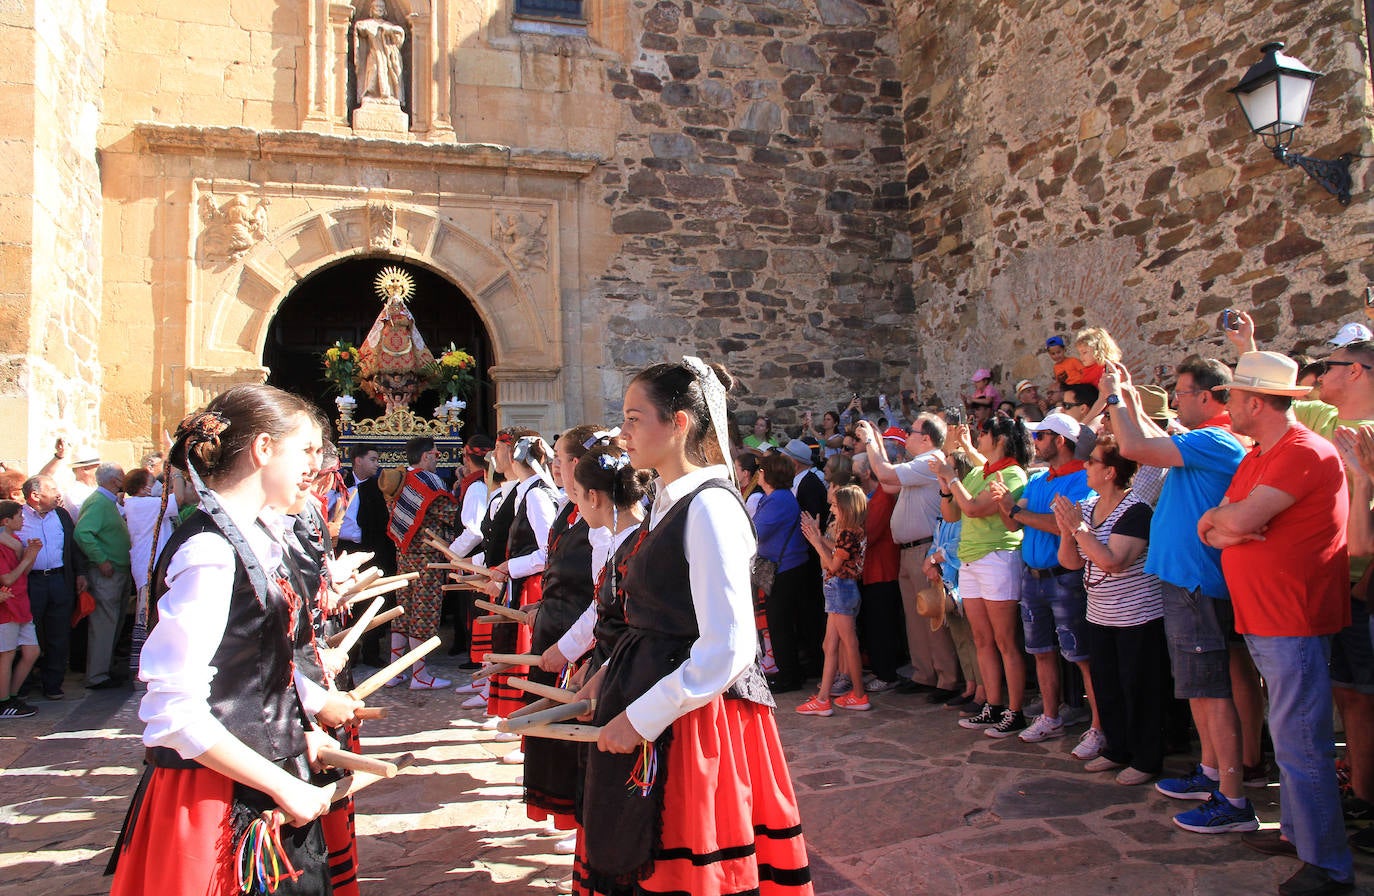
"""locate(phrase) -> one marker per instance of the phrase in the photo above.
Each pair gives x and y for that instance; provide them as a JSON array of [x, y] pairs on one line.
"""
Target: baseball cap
[[1060, 424], [1349, 333], [982, 373]]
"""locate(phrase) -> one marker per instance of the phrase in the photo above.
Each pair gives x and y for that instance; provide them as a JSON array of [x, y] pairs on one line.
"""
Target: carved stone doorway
[[339, 302]]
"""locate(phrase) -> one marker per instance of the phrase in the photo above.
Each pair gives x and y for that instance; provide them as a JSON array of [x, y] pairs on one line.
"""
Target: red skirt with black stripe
[[502, 699], [178, 839], [730, 819]]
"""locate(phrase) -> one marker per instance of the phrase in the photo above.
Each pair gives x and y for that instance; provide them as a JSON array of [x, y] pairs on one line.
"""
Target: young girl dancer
[[567, 591], [527, 553], [685, 711], [842, 561], [225, 739]]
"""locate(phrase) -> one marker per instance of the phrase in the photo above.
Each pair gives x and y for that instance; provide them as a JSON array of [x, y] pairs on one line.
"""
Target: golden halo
[[395, 283]]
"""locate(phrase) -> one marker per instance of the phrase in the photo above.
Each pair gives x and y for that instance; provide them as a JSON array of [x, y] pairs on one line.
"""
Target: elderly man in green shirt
[[103, 536]]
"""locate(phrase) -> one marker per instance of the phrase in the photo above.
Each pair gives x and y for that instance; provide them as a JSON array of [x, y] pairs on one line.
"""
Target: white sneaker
[[505, 737], [475, 701], [1043, 728], [1089, 745], [514, 757], [490, 723], [841, 685], [566, 847]]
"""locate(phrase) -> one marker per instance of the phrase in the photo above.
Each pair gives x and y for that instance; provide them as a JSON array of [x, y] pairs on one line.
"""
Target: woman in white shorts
[[990, 577]]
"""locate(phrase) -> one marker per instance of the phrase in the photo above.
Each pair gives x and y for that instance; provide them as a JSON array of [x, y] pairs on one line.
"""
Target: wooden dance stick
[[379, 619], [587, 734], [491, 669], [511, 612], [364, 690], [377, 589], [361, 580], [355, 632], [433, 540], [349, 785], [356, 763], [536, 706], [496, 620], [370, 712], [515, 659], [545, 716], [542, 690], [468, 583]]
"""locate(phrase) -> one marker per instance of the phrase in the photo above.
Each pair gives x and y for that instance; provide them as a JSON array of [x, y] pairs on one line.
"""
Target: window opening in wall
[[560, 10]]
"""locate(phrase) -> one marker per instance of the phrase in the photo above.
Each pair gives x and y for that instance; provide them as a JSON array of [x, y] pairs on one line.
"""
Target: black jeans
[[1130, 669], [881, 631], [51, 601], [783, 608]]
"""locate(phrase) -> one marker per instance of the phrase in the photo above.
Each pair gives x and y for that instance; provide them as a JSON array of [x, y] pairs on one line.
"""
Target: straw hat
[[1154, 401], [1268, 373], [934, 603]]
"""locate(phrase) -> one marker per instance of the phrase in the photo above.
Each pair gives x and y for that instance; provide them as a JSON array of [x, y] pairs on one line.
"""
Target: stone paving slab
[[896, 802]]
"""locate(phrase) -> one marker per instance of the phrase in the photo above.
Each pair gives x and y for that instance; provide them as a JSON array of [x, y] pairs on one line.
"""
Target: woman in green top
[[990, 575]]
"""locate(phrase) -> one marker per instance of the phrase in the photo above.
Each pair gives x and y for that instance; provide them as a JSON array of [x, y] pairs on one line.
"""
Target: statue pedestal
[[380, 118]]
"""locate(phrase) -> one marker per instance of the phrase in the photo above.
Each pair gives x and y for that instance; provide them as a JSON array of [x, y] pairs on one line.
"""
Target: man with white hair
[[103, 537]]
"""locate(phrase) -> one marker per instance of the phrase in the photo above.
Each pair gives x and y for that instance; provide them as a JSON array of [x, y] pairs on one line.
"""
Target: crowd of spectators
[[1144, 560]]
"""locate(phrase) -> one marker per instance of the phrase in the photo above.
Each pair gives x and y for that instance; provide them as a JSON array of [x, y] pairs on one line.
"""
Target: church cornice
[[195, 140]]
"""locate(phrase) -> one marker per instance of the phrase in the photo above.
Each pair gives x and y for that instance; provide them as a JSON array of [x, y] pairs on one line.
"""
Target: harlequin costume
[[550, 765], [423, 503], [220, 613], [526, 557], [712, 810]]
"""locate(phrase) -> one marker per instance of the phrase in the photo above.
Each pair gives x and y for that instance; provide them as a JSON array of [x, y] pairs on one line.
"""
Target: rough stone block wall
[[1074, 163], [49, 370], [757, 185]]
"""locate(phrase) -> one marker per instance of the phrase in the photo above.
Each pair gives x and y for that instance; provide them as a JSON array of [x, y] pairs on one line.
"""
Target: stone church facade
[[831, 196]]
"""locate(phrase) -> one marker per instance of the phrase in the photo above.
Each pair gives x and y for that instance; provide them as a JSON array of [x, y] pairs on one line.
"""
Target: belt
[[1047, 573], [915, 544], [55, 571]]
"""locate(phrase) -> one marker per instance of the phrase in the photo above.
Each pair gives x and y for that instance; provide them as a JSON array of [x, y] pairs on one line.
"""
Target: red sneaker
[[816, 707], [857, 702]]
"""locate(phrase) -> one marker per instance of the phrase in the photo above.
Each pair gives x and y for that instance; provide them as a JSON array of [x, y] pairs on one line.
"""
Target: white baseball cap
[[1349, 333]]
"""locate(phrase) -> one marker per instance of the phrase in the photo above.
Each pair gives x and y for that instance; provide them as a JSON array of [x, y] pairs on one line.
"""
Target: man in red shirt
[[1282, 533]]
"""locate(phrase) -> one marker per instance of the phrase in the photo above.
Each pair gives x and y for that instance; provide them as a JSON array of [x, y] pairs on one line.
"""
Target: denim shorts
[[841, 596], [1198, 629], [1352, 654], [1054, 612]]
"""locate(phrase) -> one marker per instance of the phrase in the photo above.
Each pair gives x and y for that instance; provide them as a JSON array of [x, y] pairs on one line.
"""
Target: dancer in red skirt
[[567, 591], [224, 726], [517, 579], [685, 711]]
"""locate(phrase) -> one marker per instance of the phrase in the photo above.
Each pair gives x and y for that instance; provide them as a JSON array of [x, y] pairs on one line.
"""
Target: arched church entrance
[[340, 302]]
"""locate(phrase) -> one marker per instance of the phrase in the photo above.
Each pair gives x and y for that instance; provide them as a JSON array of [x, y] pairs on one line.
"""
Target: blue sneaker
[[1196, 786], [1218, 816]]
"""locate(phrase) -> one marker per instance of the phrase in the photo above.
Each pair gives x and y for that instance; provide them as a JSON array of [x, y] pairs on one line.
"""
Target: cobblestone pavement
[[896, 801]]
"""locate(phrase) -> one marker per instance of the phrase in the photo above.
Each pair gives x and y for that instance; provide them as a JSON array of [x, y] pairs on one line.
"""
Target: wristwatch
[[1113, 400], [1015, 509]]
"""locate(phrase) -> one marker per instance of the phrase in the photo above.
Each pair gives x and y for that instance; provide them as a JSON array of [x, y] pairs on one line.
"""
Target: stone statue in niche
[[525, 244], [231, 229], [377, 56]]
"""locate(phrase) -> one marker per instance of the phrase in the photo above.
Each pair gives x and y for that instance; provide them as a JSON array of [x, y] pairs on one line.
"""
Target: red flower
[[343, 356]]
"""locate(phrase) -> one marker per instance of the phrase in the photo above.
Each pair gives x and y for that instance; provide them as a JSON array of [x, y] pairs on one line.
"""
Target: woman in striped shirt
[[1107, 536]]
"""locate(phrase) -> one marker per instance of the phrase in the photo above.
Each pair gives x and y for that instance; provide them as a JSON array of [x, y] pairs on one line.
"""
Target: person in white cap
[[1282, 532], [1352, 332], [1054, 606]]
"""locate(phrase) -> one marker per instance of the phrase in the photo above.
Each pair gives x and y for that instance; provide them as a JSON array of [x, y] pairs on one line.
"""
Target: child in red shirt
[[17, 634]]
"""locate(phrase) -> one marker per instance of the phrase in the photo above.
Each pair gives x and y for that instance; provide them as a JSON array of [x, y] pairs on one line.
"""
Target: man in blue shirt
[[1197, 606], [1054, 606]]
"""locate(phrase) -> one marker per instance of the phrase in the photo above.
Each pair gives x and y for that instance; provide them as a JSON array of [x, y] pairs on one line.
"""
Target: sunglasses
[[1348, 364]]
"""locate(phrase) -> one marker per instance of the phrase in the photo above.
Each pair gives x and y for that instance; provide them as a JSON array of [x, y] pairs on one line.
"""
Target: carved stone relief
[[231, 229], [523, 241], [381, 225]]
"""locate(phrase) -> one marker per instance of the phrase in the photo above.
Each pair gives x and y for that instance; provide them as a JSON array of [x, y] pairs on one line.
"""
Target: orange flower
[[343, 356]]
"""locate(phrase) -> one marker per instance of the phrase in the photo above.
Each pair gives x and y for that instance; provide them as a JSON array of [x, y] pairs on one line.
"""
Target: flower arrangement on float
[[341, 370], [454, 374]]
